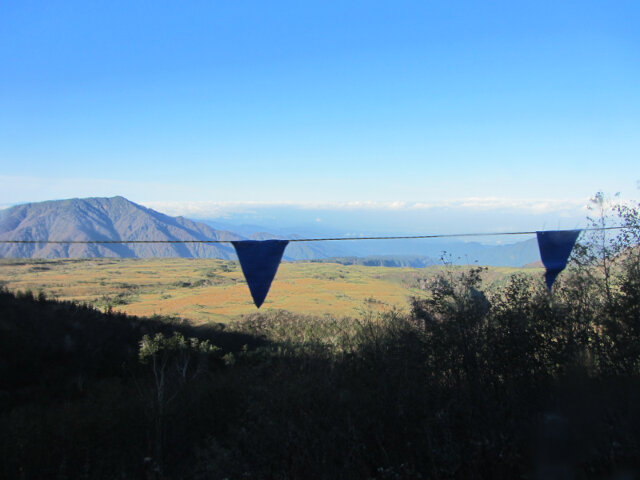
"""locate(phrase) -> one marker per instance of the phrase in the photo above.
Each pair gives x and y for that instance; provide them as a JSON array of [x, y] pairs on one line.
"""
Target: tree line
[[471, 382]]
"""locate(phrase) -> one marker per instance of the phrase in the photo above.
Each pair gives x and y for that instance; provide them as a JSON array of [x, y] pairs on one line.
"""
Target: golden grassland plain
[[206, 290]]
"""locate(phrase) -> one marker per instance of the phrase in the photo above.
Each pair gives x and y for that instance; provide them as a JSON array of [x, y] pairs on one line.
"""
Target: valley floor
[[209, 290]]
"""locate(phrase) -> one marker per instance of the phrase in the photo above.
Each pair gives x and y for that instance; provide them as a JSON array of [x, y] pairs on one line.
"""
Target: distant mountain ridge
[[117, 218], [105, 219], [396, 261]]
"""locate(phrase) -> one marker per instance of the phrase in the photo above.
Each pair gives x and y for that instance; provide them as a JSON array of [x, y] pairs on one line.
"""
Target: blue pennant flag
[[555, 247], [259, 261]]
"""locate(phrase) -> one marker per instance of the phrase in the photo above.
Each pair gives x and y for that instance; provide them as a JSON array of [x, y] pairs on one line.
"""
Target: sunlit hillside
[[204, 290]]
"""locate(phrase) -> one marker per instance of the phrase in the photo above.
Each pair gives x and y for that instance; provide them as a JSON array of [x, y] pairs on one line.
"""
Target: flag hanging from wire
[[259, 260], [555, 247]]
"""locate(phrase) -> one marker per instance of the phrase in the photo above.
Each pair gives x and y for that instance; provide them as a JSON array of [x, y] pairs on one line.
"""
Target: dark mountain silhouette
[[105, 219]]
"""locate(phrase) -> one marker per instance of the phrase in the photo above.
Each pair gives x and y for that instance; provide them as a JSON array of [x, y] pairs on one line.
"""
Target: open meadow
[[206, 290]]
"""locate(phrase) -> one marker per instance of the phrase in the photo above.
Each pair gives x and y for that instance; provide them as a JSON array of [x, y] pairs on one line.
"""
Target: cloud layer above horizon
[[363, 218], [436, 214], [213, 209]]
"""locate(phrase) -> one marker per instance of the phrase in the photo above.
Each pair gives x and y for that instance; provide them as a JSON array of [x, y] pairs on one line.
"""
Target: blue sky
[[306, 103]]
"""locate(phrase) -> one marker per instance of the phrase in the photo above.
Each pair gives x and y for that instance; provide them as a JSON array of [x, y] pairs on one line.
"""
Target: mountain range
[[117, 218], [105, 219], [120, 219]]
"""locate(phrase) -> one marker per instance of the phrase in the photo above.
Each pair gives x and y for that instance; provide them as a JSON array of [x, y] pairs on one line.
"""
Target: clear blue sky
[[319, 101]]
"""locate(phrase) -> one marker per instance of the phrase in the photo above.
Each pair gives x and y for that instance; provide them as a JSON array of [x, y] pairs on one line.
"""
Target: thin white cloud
[[212, 209], [20, 189]]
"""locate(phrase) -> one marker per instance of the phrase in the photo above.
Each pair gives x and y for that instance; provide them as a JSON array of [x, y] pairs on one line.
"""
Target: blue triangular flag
[[555, 247], [259, 260]]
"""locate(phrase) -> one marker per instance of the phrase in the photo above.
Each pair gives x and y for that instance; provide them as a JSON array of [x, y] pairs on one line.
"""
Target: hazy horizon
[[354, 219]]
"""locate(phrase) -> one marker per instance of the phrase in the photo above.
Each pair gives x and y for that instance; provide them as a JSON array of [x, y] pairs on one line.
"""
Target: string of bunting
[[260, 259]]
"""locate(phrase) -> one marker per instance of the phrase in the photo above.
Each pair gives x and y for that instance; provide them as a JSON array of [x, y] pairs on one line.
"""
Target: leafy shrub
[[507, 382]]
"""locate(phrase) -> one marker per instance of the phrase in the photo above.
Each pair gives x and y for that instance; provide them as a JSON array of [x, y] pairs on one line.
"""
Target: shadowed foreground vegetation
[[508, 383]]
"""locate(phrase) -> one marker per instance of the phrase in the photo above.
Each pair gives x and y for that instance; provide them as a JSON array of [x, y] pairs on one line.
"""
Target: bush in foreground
[[512, 382]]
